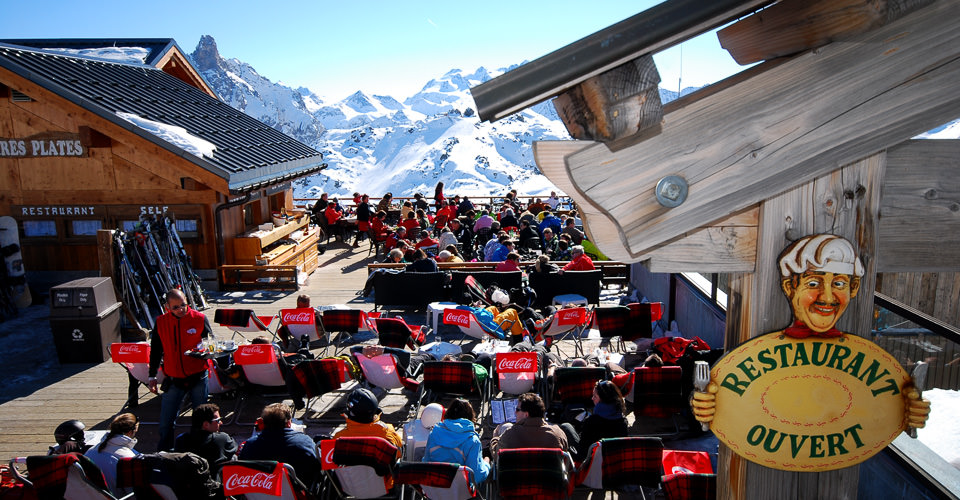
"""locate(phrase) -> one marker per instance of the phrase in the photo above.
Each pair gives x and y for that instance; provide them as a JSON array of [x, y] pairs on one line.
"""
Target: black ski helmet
[[71, 430]]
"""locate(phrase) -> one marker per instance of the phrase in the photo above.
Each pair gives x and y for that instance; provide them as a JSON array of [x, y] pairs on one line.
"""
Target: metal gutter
[[652, 30]]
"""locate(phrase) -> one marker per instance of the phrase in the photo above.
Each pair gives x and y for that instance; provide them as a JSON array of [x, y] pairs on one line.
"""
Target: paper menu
[[503, 410]]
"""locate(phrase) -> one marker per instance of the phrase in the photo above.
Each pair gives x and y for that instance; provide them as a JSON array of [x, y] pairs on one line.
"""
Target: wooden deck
[[33, 404]]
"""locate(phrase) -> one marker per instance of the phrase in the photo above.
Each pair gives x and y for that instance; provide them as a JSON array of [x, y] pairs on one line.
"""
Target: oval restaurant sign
[[811, 404]]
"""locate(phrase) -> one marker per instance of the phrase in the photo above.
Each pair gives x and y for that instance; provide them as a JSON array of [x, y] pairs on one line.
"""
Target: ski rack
[[149, 260]]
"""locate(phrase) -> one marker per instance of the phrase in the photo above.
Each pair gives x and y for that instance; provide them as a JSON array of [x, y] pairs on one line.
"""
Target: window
[[188, 228], [85, 227], [128, 225], [714, 286], [248, 215], [39, 228]]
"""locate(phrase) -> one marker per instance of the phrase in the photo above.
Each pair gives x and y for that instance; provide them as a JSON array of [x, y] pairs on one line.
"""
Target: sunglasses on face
[[178, 307], [215, 420]]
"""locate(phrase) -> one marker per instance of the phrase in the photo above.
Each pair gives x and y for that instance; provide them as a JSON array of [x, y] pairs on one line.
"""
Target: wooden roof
[[249, 154]]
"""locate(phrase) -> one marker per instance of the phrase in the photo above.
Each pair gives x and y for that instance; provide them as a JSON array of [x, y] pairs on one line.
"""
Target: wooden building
[[84, 146], [813, 139]]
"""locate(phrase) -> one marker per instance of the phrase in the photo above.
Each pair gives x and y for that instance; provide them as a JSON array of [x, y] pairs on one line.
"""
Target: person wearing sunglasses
[[177, 331], [205, 438]]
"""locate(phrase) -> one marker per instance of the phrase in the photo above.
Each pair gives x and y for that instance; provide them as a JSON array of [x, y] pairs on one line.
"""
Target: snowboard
[[10, 249]]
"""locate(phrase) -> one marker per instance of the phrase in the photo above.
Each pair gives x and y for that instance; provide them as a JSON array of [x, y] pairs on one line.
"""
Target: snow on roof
[[123, 55], [173, 134]]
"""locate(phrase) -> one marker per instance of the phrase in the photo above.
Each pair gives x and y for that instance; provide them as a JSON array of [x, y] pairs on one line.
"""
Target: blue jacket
[[287, 446], [553, 222], [456, 441]]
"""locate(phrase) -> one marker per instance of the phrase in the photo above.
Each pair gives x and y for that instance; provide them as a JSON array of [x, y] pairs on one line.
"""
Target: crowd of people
[[456, 229]]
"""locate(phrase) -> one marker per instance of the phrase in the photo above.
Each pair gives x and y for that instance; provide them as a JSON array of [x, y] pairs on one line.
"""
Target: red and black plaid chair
[[657, 393], [261, 480], [534, 473], [67, 476], [395, 332], [690, 486], [616, 463], [616, 321], [341, 321], [438, 480], [366, 467], [319, 376], [147, 483], [574, 385], [243, 321], [452, 378]]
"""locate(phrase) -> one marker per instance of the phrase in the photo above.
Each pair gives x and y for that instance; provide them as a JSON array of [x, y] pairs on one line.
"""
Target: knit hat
[[362, 406]]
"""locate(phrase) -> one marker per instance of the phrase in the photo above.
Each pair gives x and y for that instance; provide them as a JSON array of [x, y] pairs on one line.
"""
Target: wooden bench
[[251, 277]]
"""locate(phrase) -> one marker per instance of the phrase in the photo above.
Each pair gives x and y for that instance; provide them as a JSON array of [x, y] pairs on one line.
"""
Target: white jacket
[[117, 447]]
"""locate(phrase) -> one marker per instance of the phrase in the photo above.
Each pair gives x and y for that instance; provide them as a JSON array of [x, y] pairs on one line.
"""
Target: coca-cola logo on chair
[[302, 316], [130, 352], [240, 480], [456, 317], [515, 362]]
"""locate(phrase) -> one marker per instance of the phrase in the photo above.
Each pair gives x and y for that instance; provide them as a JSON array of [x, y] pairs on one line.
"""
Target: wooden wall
[[121, 169], [936, 294]]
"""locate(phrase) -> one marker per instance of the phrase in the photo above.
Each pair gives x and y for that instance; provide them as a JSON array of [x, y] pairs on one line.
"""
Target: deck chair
[[615, 463], [534, 473], [516, 372], [642, 317], [301, 321], [260, 364], [438, 480], [571, 321], [319, 376], [70, 476], [242, 321], [453, 378], [261, 480], [574, 385], [658, 393], [156, 477], [366, 466], [377, 241], [348, 321], [382, 371], [395, 332], [134, 357], [690, 486], [470, 326]]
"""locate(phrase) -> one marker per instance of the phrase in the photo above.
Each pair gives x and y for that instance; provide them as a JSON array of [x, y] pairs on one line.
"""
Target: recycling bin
[[84, 320]]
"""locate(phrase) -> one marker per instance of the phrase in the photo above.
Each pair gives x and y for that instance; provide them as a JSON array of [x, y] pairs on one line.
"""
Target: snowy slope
[[374, 144]]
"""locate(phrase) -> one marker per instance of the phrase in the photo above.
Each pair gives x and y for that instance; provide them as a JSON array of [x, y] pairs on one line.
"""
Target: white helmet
[[500, 297], [432, 414]]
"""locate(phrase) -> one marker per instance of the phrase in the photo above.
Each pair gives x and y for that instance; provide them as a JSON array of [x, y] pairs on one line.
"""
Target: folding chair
[[438, 480], [348, 321], [69, 476], [642, 317], [658, 393], [260, 364], [571, 320], [261, 480], [395, 332], [365, 469], [470, 326], [376, 241], [154, 477], [319, 376], [134, 357], [615, 463], [382, 371], [534, 473], [574, 385], [452, 377], [689, 486], [301, 321], [242, 321], [516, 372]]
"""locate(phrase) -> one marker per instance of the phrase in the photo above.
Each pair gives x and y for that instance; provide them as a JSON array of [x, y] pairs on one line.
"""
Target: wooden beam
[[784, 126], [614, 105], [91, 138], [792, 26], [105, 253], [727, 246], [757, 306], [920, 212]]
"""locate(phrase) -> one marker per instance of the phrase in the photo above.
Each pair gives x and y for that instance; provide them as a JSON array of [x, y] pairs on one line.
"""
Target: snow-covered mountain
[[374, 144]]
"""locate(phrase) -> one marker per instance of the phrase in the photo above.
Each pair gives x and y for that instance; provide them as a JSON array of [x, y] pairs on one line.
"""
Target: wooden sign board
[[43, 145], [811, 404]]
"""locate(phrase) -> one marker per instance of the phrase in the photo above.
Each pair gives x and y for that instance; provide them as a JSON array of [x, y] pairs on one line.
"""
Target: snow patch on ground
[[942, 434]]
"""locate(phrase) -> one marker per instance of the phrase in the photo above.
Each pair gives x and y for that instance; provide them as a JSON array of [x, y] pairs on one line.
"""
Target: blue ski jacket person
[[456, 441]]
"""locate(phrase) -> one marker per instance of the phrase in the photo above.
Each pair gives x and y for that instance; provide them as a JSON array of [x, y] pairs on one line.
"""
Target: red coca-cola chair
[[261, 480], [470, 326], [134, 357], [571, 321], [517, 372], [301, 321]]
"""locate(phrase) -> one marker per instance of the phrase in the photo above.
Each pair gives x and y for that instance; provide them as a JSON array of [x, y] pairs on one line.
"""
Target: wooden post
[[845, 203], [105, 254]]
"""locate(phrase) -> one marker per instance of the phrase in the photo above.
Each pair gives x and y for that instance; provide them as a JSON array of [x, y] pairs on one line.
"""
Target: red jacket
[[581, 263], [175, 336], [332, 214]]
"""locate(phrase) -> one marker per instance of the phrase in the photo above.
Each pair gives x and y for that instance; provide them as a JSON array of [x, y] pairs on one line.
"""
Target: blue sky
[[336, 48]]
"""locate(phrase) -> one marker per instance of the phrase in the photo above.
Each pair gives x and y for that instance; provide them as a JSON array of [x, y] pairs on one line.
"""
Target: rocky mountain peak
[[206, 56]]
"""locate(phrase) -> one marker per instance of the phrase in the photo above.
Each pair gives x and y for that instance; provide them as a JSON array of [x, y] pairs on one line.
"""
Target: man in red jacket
[[579, 261], [179, 330]]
